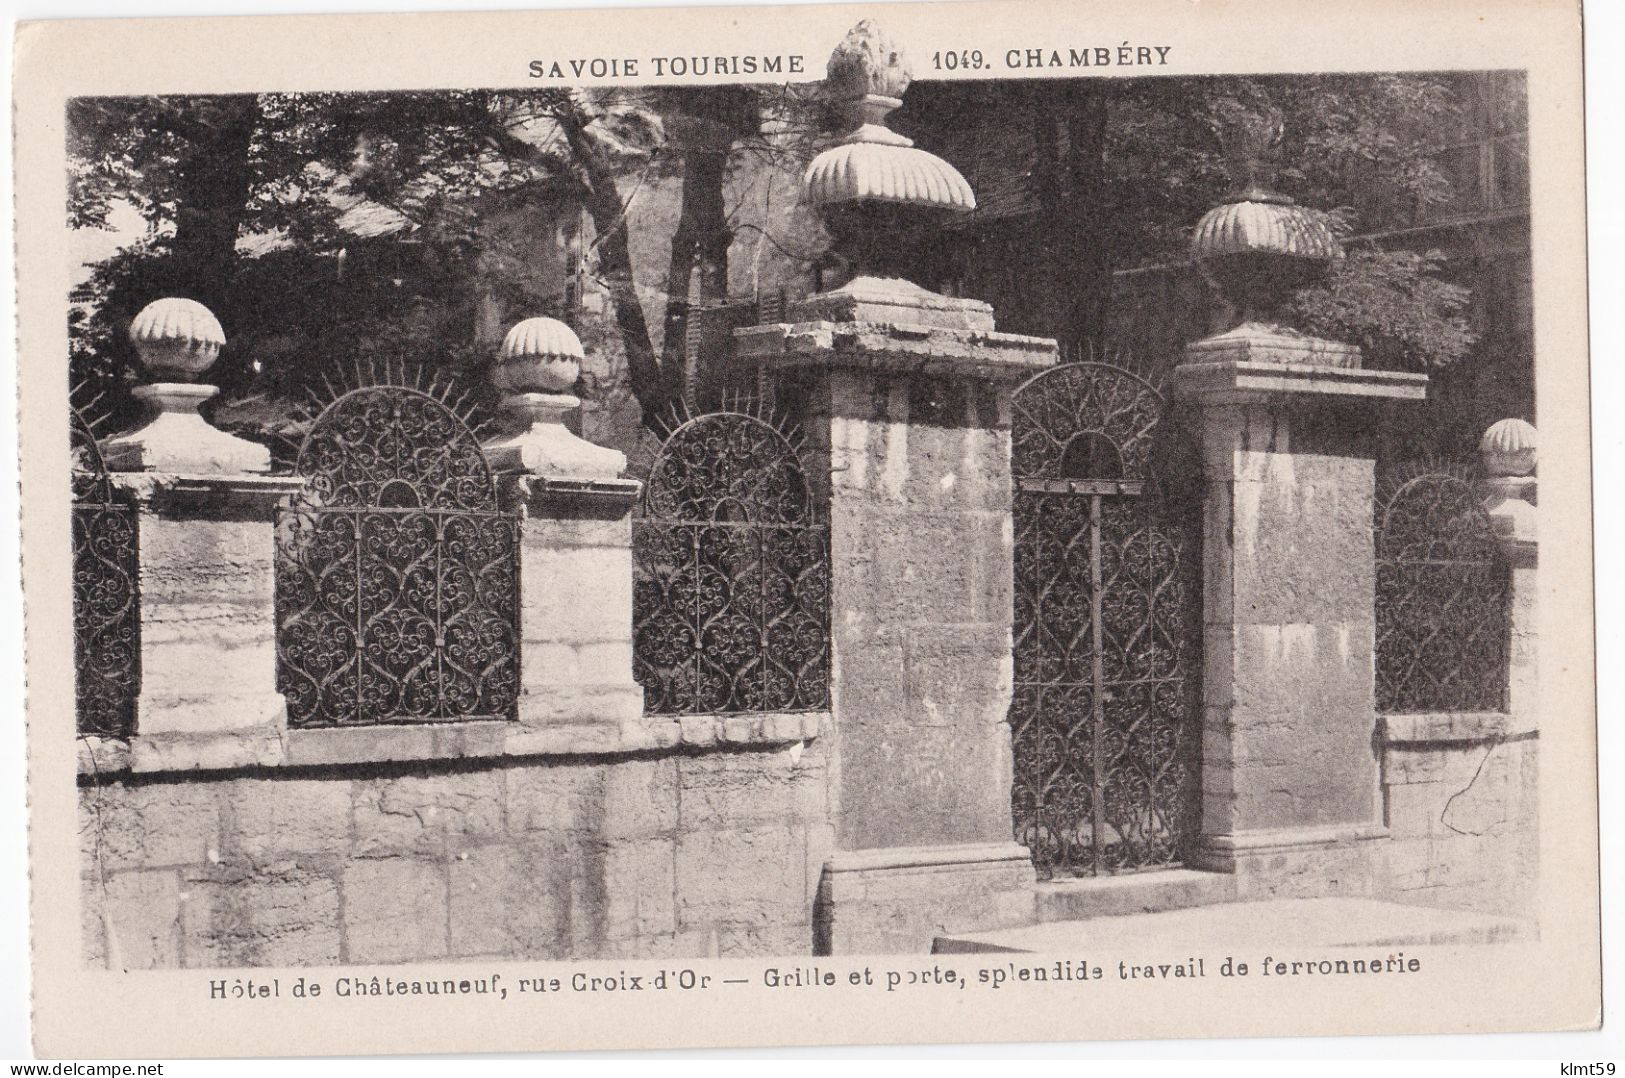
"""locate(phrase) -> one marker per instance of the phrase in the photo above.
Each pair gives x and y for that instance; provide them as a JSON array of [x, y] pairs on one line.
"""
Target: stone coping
[[1450, 726], [278, 747], [1259, 841], [1256, 381], [898, 347], [888, 858]]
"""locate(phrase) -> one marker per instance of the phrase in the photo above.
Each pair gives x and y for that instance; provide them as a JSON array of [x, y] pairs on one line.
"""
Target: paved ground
[[1301, 922]]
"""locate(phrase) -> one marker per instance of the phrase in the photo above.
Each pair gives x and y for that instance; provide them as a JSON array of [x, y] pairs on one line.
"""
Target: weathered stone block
[[752, 875], [556, 797], [92, 933], [640, 798], [508, 901], [898, 900], [640, 884], [150, 825], [286, 919], [278, 818], [723, 790], [427, 814], [934, 784], [749, 941], [143, 920], [394, 911], [580, 593]]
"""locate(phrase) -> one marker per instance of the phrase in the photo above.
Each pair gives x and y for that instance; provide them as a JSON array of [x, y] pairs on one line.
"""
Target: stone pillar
[[907, 419], [904, 397], [1290, 797], [1290, 784], [1508, 451], [575, 552], [206, 520]]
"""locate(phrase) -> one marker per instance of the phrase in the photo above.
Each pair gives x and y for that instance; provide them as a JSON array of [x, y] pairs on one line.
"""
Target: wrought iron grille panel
[[1106, 613], [106, 601], [1441, 603], [397, 574], [731, 575]]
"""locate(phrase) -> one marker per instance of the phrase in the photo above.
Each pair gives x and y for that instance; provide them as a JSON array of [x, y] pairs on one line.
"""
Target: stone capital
[[539, 444], [891, 326], [179, 440], [208, 496], [1252, 381], [583, 499]]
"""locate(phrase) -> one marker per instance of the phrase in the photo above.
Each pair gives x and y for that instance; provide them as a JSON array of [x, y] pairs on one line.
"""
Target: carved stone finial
[[539, 355], [879, 195], [868, 64], [537, 367], [177, 339], [1259, 246], [1508, 449]]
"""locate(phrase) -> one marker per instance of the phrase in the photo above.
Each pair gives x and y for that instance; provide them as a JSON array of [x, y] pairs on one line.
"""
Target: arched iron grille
[[1106, 616], [397, 574], [1441, 604], [106, 602], [731, 584]]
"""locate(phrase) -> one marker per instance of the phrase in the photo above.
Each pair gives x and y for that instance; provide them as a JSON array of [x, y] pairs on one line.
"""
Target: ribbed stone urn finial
[[539, 355], [177, 339], [880, 196], [1508, 449], [1259, 246], [537, 367]]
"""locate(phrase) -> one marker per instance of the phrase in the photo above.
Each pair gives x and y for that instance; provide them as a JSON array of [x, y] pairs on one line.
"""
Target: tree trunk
[[648, 382], [1087, 218], [212, 184], [700, 241]]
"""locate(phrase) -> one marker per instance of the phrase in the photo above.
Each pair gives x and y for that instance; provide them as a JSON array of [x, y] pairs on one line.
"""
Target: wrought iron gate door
[[1106, 619], [397, 574]]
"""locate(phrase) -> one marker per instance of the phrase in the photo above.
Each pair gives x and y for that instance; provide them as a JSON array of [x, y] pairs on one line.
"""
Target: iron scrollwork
[[1106, 612], [1442, 594], [106, 601], [731, 578], [397, 572]]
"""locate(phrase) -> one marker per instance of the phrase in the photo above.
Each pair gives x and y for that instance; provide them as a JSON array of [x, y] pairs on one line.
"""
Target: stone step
[[1274, 926], [1141, 892]]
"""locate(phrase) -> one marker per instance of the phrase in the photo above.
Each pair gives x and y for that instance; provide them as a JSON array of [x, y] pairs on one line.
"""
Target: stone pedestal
[[208, 622], [1290, 796], [575, 586], [177, 440], [904, 399], [1510, 503]]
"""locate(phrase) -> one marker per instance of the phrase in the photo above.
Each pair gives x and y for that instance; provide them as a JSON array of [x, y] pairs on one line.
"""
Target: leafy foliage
[[1394, 305]]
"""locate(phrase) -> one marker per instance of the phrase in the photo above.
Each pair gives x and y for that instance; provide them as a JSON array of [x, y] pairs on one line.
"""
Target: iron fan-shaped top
[[394, 447], [728, 467], [1084, 417]]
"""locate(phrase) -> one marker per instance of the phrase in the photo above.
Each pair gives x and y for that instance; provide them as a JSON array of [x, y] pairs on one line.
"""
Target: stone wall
[[1462, 824], [682, 853]]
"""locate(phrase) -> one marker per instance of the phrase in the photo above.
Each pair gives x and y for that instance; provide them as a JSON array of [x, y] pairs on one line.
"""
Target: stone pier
[[906, 409]]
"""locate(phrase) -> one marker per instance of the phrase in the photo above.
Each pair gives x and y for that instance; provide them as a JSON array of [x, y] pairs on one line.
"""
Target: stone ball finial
[[539, 355], [177, 339], [1508, 449]]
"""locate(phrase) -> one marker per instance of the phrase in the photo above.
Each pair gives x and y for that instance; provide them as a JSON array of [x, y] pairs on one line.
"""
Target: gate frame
[[1133, 434]]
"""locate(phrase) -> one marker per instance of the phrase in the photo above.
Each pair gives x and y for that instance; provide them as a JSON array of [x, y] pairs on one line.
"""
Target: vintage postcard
[[967, 521]]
